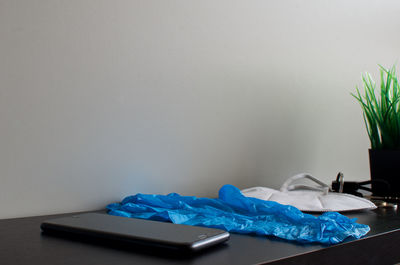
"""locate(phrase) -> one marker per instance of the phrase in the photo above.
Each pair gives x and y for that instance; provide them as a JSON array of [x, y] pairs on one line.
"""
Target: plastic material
[[239, 214]]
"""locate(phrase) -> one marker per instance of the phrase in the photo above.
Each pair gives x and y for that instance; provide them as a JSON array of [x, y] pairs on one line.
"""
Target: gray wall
[[102, 99]]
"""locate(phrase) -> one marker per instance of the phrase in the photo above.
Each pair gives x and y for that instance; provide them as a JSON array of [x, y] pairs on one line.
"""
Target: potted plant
[[381, 113]]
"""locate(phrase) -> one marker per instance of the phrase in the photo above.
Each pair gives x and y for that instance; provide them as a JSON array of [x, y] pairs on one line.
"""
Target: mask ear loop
[[288, 186]]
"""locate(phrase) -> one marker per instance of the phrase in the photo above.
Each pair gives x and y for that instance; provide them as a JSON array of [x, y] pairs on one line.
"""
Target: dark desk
[[23, 243]]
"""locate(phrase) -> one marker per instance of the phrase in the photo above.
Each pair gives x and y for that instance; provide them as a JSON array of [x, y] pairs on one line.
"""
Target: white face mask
[[310, 198]]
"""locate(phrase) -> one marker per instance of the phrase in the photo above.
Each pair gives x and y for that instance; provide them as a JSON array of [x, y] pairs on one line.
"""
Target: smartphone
[[136, 231]]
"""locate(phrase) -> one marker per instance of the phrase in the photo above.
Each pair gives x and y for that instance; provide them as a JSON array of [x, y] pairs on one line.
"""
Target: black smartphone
[[136, 231]]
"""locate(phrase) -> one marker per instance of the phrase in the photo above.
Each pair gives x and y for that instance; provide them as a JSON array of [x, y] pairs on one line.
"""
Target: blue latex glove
[[236, 213]]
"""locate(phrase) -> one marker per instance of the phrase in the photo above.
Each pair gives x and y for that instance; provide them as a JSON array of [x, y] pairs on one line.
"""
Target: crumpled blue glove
[[236, 213]]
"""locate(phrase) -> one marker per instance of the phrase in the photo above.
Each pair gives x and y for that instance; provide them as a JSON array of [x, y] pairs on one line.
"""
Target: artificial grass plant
[[381, 113]]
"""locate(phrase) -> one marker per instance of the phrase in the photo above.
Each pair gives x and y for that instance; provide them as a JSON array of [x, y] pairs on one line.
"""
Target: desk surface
[[21, 242]]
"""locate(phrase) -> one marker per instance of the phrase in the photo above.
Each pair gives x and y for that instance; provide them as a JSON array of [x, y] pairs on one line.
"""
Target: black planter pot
[[385, 172]]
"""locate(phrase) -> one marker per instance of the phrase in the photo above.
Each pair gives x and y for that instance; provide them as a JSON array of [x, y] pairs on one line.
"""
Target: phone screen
[[139, 231]]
